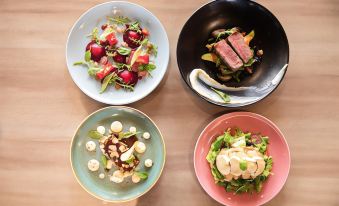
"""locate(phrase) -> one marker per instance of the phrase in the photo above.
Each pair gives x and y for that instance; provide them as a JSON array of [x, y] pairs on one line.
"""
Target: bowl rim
[[233, 105], [248, 114], [92, 193], [130, 100]]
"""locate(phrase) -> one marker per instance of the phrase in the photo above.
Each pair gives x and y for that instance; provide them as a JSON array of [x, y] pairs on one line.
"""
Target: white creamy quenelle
[[90, 146], [140, 147], [148, 163], [116, 127], [93, 165]]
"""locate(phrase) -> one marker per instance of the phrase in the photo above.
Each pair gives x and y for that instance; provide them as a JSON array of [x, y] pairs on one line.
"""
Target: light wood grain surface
[[40, 106]]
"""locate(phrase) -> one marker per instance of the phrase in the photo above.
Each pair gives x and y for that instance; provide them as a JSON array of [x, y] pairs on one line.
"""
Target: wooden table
[[40, 106]]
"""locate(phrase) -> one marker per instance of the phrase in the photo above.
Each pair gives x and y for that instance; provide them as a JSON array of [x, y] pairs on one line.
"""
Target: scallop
[[223, 164]]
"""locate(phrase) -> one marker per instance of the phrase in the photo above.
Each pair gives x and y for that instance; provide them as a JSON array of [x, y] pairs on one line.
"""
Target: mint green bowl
[[102, 188]]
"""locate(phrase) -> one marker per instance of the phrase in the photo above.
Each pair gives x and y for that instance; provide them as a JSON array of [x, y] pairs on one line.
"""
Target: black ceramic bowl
[[269, 36]]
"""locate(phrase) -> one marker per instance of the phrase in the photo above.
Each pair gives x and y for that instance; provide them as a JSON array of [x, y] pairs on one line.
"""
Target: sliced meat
[[228, 56], [236, 40]]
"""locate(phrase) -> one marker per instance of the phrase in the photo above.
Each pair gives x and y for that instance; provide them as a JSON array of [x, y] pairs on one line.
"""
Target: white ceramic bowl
[[77, 41]]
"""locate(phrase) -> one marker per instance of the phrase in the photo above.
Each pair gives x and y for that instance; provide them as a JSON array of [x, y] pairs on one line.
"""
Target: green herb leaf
[[262, 146], [216, 174], [125, 135], [119, 20], [104, 160], [144, 42], [88, 56], [124, 50], [79, 63], [250, 62], [107, 79], [94, 34], [134, 27], [94, 134], [223, 96], [243, 165], [130, 160], [147, 67], [142, 175]]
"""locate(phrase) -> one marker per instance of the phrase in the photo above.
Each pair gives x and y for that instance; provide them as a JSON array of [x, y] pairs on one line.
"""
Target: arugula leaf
[[124, 51], [125, 135], [94, 134], [134, 27], [119, 20], [142, 175], [223, 96], [88, 56], [107, 79], [94, 34], [147, 67], [104, 160], [236, 75]]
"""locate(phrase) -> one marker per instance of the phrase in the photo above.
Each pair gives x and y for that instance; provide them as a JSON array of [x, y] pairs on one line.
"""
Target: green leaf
[[94, 134], [147, 67], [124, 51], [262, 146], [92, 71], [125, 135], [142, 175], [152, 49], [104, 160], [134, 27], [144, 42], [130, 160], [107, 79], [88, 56], [223, 96], [120, 20], [79, 63], [216, 174], [243, 165], [94, 34], [250, 62]]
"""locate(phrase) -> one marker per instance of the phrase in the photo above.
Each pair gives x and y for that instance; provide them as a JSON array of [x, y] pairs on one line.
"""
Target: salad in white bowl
[[117, 52]]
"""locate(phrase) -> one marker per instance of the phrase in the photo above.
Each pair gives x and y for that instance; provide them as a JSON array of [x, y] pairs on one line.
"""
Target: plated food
[[230, 51], [239, 161], [117, 154], [241, 158], [119, 63], [117, 52], [121, 150]]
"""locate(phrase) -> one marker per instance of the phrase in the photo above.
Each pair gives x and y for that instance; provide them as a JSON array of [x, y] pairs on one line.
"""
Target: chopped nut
[[115, 140], [114, 154], [112, 147], [260, 52], [122, 148]]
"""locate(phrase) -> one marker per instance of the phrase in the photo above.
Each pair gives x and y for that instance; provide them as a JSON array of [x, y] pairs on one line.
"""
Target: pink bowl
[[277, 148]]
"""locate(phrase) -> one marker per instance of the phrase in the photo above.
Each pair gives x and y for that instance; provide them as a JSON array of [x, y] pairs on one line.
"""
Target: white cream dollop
[[116, 127], [135, 178], [93, 165], [133, 129], [148, 163], [90, 146], [140, 147], [146, 135], [101, 130], [101, 175]]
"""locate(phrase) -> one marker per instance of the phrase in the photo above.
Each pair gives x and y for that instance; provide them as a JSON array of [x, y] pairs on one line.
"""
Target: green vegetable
[[130, 160], [104, 160], [250, 62], [120, 20], [152, 49], [107, 79], [134, 27], [94, 134], [87, 56], [142, 175], [92, 71], [79, 63], [243, 165], [147, 67], [94, 34], [216, 174], [124, 50], [124, 135], [236, 75], [262, 146], [223, 96]]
